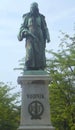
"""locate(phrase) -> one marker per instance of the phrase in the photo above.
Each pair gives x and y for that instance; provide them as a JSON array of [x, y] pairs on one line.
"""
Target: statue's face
[[34, 8]]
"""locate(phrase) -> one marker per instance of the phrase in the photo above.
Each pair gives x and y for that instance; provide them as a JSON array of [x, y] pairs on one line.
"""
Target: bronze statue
[[34, 30]]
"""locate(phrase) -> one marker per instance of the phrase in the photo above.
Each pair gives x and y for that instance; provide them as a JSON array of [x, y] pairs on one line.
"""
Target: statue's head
[[34, 8]]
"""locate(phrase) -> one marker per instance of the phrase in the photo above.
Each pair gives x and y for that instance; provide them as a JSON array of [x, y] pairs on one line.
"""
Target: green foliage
[[62, 88], [9, 108]]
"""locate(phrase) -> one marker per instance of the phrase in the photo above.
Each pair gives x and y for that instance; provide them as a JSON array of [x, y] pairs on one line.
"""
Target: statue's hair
[[34, 4]]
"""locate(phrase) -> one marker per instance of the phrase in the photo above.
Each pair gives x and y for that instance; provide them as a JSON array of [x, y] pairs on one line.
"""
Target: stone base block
[[35, 108], [36, 128]]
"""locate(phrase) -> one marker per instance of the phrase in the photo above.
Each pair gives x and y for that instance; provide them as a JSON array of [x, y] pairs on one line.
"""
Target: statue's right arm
[[22, 28], [20, 34]]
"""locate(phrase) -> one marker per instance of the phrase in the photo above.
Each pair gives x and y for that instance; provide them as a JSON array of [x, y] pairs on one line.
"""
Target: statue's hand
[[22, 34], [25, 32]]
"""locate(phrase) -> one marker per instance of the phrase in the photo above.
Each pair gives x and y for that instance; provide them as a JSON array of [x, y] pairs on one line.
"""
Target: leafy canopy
[[61, 68], [9, 108]]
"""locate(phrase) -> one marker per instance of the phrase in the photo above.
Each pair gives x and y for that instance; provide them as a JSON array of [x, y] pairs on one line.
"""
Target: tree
[[9, 108], [62, 88]]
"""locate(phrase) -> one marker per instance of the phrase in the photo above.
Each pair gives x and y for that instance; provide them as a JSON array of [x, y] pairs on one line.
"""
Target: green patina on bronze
[[34, 30], [35, 72]]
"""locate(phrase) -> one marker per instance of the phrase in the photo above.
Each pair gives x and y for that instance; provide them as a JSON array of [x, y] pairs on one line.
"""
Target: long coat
[[34, 29]]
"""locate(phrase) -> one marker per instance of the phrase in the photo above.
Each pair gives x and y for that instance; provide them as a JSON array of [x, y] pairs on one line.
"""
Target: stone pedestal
[[35, 110]]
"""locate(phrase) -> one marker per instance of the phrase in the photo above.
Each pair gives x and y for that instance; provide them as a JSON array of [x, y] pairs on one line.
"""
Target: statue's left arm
[[45, 29]]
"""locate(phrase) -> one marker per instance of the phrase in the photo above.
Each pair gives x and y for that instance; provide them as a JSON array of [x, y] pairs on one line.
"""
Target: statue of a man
[[34, 30]]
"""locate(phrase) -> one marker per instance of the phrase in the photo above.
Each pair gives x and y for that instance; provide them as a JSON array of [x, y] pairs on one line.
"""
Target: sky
[[59, 15]]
